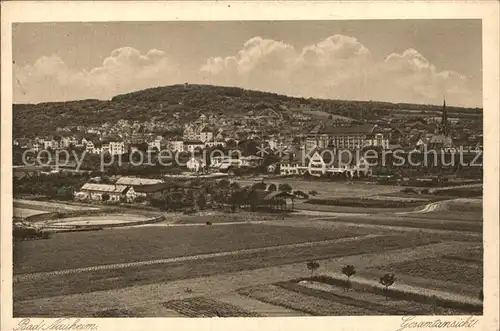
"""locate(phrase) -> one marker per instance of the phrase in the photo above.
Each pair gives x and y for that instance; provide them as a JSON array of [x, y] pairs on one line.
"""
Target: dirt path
[[146, 295]]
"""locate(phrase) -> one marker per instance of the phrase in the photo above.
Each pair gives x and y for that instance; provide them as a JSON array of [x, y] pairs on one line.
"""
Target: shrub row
[[361, 202]]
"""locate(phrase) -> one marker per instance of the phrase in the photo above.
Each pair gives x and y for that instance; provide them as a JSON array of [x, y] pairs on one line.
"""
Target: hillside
[[187, 102]]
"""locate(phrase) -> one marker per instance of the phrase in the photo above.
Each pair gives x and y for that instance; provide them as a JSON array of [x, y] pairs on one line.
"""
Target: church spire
[[444, 120]]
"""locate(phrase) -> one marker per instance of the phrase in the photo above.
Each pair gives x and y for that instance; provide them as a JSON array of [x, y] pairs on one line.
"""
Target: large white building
[[377, 140], [324, 162], [346, 137], [116, 147]]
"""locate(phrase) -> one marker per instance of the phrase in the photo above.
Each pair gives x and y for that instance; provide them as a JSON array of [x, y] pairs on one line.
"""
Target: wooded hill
[[188, 102]]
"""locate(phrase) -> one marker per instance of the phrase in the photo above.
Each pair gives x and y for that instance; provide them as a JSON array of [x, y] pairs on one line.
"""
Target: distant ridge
[[191, 100]]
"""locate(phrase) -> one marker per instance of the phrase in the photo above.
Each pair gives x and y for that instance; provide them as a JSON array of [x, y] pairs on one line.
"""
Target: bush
[[208, 223], [363, 202], [285, 187], [301, 194], [272, 187], [409, 190], [140, 199], [259, 186], [313, 193]]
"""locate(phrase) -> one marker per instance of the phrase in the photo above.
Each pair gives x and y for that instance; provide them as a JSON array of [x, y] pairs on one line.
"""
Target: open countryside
[[253, 263]]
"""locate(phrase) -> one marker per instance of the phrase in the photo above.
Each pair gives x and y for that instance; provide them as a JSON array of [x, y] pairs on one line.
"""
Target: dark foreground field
[[62, 284], [83, 249]]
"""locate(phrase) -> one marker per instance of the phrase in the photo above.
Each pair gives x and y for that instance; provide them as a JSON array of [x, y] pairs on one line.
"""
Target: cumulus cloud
[[338, 67], [125, 70]]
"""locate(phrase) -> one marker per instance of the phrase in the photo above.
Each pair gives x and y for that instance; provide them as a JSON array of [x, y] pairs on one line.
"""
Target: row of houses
[[224, 163], [114, 146]]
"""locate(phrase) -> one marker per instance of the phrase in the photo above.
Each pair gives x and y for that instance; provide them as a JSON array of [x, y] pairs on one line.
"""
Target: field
[[311, 305], [50, 206], [304, 206], [443, 268], [249, 264], [100, 220], [219, 217], [99, 280], [26, 212], [334, 189], [415, 221], [76, 250], [207, 307]]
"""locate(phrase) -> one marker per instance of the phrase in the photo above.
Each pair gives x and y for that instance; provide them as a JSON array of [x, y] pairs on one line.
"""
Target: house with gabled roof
[[92, 191], [323, 162]]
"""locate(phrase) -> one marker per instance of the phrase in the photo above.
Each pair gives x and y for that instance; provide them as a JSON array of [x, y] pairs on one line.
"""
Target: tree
[[188, 199], [65, 193], [201, 201], [313, 193], [140, 199], [252, 199], [224, 183], [234, 186], [105, 197], [301, 194], [349, 271], [387, 280], [272, 187], [231, 144], [285, 187], [312, 265], [259, 186]]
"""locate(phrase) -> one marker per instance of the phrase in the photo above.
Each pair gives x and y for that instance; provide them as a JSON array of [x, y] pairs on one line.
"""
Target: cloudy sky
[[418, 61]]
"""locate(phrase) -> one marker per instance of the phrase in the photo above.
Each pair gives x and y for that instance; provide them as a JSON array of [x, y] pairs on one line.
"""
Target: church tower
[[443, 126]]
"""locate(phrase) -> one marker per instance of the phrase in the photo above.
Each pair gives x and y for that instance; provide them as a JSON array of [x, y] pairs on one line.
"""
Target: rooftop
[[136, 181], [358, 129], [104, 188]]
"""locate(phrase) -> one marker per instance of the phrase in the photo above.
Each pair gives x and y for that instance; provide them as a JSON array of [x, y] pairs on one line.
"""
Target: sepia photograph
[[247, 168]]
